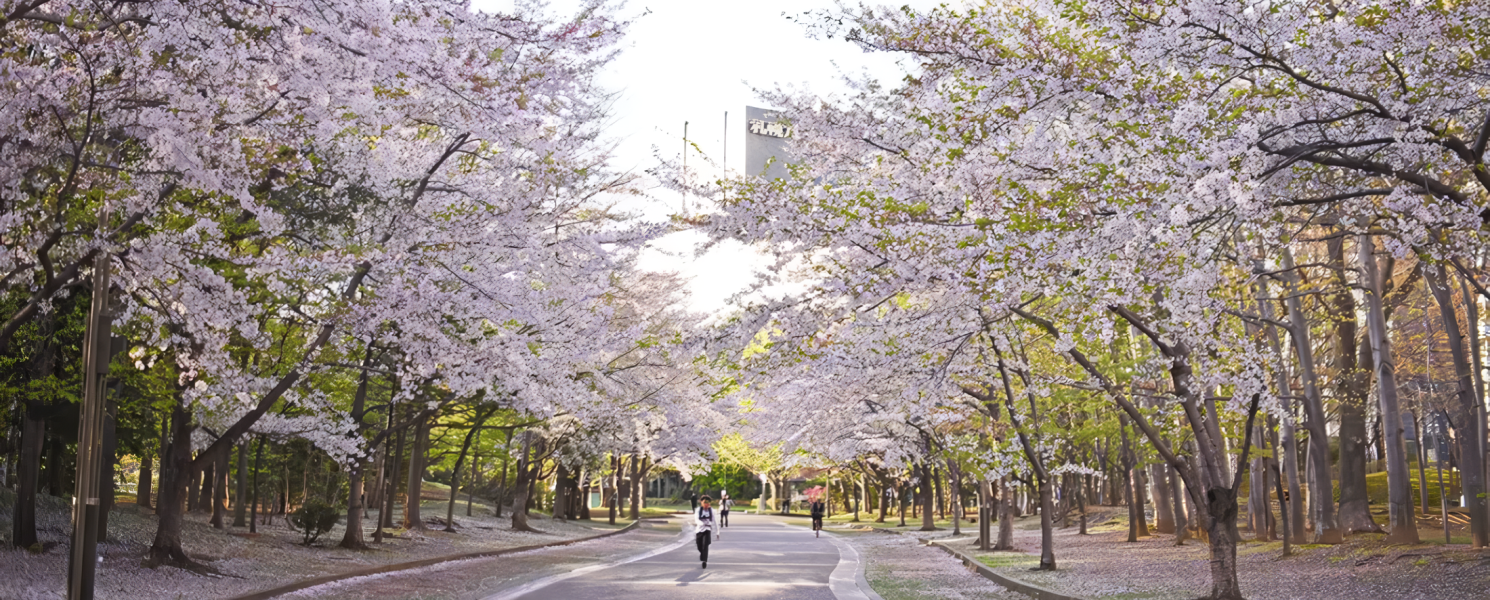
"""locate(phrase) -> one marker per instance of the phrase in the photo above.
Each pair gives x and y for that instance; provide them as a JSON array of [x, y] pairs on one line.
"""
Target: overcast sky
[[693, 60]]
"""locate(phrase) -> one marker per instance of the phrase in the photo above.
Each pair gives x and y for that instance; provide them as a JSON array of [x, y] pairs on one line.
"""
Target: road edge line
[[538, 584]]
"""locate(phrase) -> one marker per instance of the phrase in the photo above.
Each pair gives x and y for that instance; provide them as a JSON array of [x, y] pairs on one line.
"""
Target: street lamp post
[[86, 502]]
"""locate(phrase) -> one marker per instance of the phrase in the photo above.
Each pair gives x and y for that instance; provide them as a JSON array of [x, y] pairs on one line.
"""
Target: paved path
[[758, 558], [475, 579]]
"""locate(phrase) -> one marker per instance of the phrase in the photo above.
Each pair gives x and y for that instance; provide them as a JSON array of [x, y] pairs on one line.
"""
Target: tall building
[[766, 133]]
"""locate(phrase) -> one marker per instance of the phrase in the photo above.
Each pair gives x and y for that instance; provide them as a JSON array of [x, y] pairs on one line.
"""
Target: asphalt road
[[757, 558]]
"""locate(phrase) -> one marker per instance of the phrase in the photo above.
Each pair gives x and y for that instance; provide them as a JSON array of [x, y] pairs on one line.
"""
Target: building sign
[[770, 128]]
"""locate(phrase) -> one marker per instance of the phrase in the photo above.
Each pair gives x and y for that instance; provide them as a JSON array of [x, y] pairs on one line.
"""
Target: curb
[[325, 579], [1028, 589], [1031, 590], [860, 563]]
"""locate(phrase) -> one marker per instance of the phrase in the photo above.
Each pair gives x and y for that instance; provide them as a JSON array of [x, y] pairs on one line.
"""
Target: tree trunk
[[1399, 478], [1321, 493], [561, 493], [520, 500], [1135, 512], [639, 468], [165, 442], [521, 488], [954, 497], [208, 494], [502, 489], [1047, 527], [54, 467], [1222, 535], [412, 519], [174, 472], [860, 492], [240, 508], [583, 501], [1080, 507], [460, 461], [33, 436], [900, 502], [33, 440], [390, 489], [1352, 388], [142, 488], [623, 485], [110, 461], [1163, 503], [352, 537], [220, 491], [1140, 497], [193, 487], [1288, 442], [1472, 322], [1064, 506], [1259, 511], [1006, 517], [1466, 413], [1177, 496], [936, 487], [928, 500], [253, 501], [884, 501], [985, 516], [612, 495], [475, 476], [372, 481]]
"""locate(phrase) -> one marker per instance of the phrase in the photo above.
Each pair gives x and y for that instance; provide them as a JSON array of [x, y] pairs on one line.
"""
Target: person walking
[[693, 501], [705, 517], [724, 504], [817, 508]]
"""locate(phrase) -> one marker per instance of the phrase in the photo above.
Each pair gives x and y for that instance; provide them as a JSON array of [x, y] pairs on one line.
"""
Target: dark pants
[[724, 518], [702, 541]]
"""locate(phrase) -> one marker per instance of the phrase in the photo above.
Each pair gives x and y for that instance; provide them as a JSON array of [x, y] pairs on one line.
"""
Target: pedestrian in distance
[[724, 504], [817, 509], [705, 517], [693, 501]]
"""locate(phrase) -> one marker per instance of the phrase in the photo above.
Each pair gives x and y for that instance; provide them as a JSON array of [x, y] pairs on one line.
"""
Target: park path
[[474, 579], [758, 558]]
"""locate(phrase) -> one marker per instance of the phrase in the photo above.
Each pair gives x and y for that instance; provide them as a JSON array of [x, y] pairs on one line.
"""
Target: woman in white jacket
[[701, 537]]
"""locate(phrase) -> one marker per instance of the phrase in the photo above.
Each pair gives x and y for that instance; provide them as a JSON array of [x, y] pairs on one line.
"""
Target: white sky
[[692, 60]]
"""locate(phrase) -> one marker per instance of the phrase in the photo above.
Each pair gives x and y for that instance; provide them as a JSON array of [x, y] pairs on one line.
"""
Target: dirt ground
[[245, 563], [1105, 565]]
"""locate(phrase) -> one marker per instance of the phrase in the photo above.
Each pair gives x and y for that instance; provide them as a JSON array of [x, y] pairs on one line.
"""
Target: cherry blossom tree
[[1095, 167]]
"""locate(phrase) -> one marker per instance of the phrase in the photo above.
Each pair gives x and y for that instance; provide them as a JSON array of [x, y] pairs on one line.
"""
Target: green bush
[[315, 518]]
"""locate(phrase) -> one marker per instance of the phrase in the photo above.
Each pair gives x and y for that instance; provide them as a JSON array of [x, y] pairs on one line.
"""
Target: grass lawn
[[1009, 559], [892, 521], [1376, 488], [1430, 523]]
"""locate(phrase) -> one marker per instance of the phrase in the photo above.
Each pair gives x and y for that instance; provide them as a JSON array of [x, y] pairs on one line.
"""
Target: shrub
[[315, 518]]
